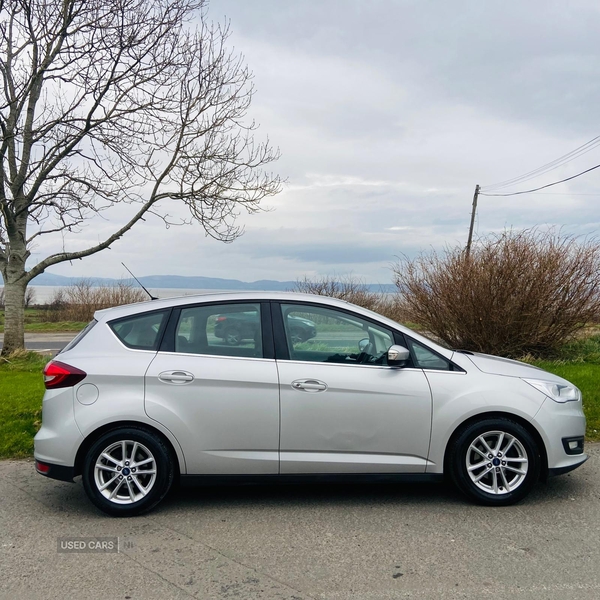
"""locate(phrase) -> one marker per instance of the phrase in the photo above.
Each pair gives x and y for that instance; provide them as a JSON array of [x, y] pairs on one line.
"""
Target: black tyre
[[233, 336], [297, 336], [494, 462], [127, 472]]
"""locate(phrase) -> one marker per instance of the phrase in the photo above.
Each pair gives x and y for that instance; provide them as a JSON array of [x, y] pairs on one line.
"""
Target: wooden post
[[473, 211]]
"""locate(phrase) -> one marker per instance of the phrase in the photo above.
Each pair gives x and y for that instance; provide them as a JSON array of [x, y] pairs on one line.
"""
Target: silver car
[[147, 394]]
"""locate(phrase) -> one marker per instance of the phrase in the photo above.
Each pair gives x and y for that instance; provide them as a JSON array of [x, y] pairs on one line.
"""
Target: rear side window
[[79, 336], [220, 330], [142, 331]]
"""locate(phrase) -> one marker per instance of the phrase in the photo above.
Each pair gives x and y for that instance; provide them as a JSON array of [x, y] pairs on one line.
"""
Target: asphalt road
[[326, 542], [45, 342]]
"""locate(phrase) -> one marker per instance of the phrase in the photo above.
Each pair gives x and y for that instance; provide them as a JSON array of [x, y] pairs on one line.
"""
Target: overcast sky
[[387, 113]]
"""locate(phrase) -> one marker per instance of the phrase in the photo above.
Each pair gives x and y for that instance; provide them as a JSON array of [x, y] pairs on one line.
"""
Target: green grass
[[21, 392], [35, 322], [586, 376]]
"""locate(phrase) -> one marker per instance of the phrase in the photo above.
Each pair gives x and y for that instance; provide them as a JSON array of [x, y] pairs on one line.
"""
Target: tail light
[[61, 375], [221, 319]]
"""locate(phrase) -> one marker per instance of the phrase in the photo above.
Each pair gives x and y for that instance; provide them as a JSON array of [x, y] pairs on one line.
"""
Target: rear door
[[343, 410], [214, 384]]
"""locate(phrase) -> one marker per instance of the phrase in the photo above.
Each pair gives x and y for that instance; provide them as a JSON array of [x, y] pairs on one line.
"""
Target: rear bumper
[[59, 472]]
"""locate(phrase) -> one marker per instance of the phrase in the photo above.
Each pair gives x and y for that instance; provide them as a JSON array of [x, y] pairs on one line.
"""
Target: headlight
[[559, 392]]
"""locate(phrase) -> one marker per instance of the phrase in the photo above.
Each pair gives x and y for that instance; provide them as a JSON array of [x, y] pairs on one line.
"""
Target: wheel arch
[[100, 431], [531, 429]]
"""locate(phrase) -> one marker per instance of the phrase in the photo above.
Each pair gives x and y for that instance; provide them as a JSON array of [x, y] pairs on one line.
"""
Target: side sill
[[241, 480]]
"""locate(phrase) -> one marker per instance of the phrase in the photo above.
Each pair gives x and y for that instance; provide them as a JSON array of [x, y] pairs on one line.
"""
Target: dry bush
[[345, 288], [81, 300], [354, 291], [517, 293], [29, 297]]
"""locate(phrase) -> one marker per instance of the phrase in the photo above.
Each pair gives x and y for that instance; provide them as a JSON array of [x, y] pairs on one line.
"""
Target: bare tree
[[118, 101], [29, 297]]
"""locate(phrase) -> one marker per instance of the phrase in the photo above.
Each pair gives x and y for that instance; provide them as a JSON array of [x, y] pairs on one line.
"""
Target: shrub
[[29, 297], [81, 300], [352, 290], [345, 288], [517, 293]]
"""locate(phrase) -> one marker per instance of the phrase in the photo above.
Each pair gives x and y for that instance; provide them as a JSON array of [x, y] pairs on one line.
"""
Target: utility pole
[[473, 211]]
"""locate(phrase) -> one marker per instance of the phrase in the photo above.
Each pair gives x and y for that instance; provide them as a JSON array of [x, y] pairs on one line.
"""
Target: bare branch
[[105, 102]]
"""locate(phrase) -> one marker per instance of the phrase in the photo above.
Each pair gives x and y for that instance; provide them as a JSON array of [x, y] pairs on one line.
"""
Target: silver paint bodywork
[[245, 416]]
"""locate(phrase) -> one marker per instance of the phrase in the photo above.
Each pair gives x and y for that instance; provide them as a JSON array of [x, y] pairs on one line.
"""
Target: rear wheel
[[127, 472], [495, 462]]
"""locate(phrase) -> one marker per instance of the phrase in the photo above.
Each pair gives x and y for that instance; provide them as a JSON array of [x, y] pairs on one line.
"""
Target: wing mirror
[[397, 356], [364, 344]]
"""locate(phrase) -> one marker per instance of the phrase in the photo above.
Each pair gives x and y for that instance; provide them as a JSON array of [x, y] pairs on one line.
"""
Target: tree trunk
[[14, 315]]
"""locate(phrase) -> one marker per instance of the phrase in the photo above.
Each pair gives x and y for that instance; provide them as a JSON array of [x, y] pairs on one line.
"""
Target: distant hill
[[192, 283]]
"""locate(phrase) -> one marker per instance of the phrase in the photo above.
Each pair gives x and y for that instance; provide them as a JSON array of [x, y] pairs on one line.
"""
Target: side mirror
[[397, 356], [363, 344]]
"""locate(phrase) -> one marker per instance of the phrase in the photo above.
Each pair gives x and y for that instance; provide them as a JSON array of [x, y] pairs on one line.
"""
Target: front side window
[[427, 359], [141, 331], [220, 329], [319, 334]]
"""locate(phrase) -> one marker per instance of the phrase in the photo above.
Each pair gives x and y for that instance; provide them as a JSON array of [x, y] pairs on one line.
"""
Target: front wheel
[[127, 472], [495, 462]]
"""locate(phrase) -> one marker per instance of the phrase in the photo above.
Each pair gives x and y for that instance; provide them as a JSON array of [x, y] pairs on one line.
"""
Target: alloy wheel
[[125, 472], [497, 462]]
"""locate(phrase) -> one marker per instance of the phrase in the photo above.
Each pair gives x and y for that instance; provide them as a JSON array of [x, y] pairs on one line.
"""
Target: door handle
[[176, 377], [309, 385]]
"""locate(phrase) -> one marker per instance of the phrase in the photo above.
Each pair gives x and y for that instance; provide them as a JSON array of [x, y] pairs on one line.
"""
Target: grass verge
[[21, 392], [34, 323]]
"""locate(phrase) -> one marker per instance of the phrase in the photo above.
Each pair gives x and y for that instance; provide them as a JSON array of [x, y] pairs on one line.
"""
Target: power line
[[544, 186], [555, 164]]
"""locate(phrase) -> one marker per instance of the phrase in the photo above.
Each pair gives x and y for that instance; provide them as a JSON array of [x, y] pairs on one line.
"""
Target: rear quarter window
[[142, 331]]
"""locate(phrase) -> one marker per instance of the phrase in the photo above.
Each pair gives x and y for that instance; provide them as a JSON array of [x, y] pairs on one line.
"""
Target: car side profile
[[154, 392]]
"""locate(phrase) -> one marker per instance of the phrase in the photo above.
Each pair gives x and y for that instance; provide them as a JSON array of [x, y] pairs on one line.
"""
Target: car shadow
[[71, 500]]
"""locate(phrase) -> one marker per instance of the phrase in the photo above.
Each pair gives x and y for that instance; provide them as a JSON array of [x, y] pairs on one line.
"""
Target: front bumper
[[567, 469], [558, 424]]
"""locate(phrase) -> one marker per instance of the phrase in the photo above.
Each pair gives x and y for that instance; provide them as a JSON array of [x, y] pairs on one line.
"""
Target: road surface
[[45, 342], [344, 542]]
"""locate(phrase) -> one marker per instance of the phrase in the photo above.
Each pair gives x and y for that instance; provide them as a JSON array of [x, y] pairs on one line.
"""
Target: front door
[[214, 387], [343, 410]]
